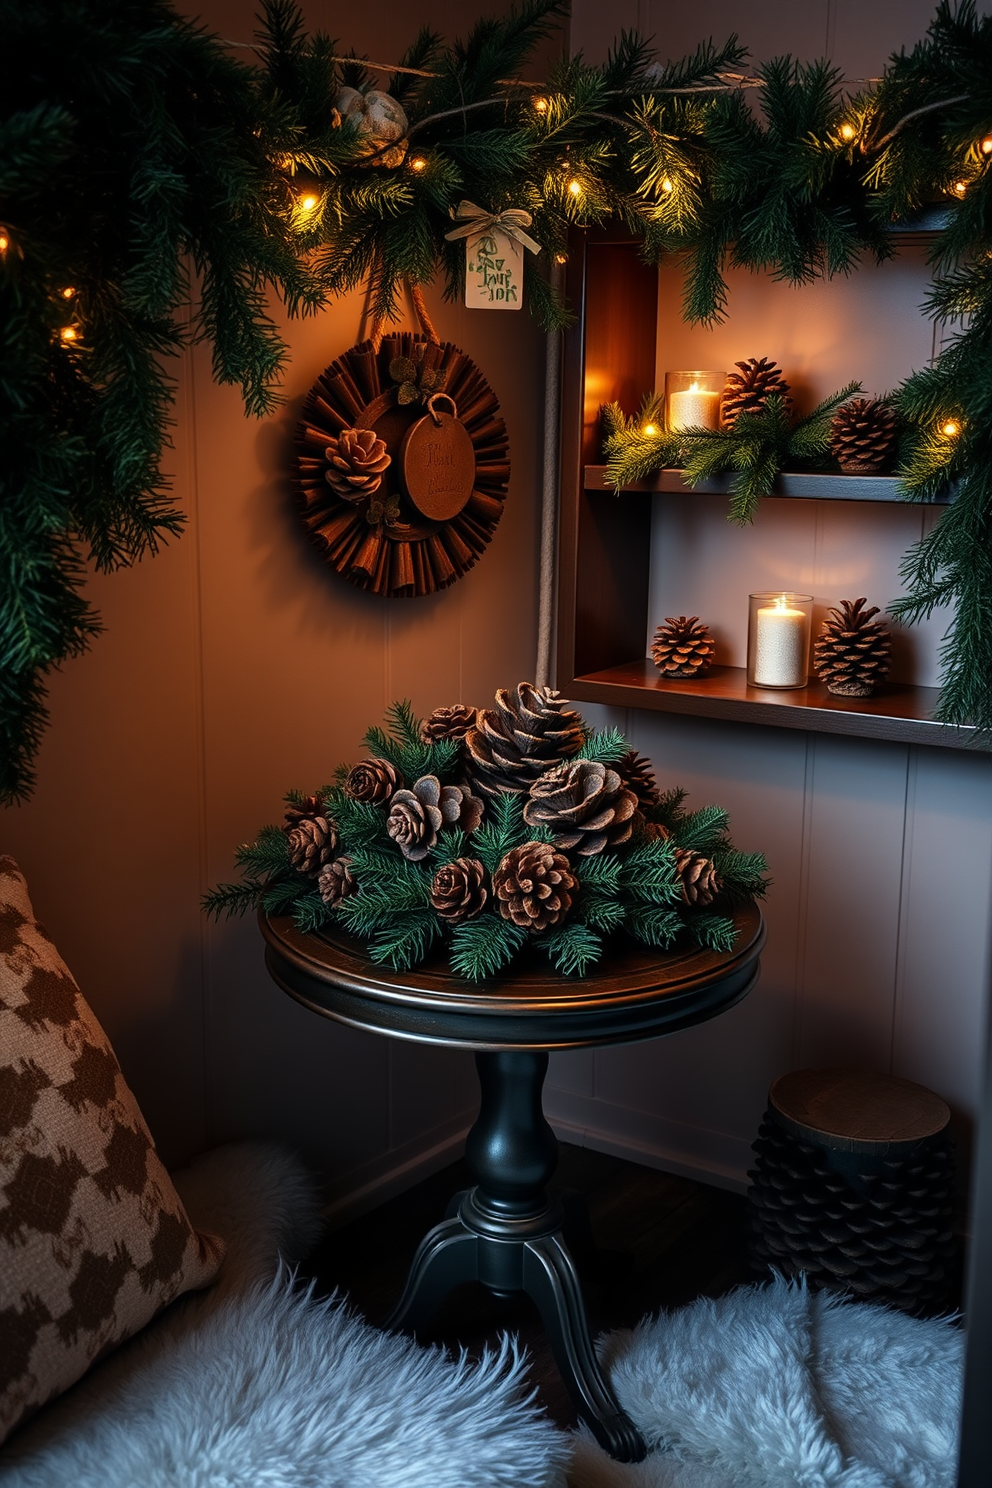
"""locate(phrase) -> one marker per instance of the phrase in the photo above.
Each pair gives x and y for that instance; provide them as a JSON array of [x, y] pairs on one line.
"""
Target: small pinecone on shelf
[[356, 460], [459, 890], [533, 886], [700, 880], [585, 804], [682, 647], [863, 436], [853, 651], [748, 390], [530, 729], [884, 1236]]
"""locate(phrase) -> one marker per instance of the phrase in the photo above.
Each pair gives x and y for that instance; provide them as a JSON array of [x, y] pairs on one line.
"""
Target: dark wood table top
[[635, 992]]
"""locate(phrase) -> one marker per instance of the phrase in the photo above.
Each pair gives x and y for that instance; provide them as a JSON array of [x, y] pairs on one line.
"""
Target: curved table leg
[[550, 1279], [447, 1256]]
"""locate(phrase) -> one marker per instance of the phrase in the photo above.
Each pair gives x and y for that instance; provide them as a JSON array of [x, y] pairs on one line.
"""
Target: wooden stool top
[[857, 1110]]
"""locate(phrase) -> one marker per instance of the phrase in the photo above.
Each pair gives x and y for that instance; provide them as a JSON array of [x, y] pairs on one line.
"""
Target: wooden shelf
[[899, 713], [803, 487]]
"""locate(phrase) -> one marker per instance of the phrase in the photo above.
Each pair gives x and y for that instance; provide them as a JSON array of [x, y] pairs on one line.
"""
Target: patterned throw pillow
[[93, 1236]]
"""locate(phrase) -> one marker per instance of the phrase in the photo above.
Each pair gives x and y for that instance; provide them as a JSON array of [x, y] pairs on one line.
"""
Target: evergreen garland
[[155, 188], [635, 887]]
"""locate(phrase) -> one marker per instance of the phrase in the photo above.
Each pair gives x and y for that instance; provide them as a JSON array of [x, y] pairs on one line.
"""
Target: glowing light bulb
[[561, 258], [418, 163], [68, 293], [650, 430], [307, 203], [847, 131], [4, 242], [68, 333], [951, 428], [667, 186], [986, 145], [959, 188], [575, 188], [541, 104]]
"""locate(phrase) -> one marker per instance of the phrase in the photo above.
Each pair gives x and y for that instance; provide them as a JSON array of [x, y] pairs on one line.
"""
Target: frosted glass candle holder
[[692, 399], [778, 629]]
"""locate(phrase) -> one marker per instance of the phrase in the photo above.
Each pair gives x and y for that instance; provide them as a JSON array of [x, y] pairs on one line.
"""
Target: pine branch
[[482, 947], [572, 948]]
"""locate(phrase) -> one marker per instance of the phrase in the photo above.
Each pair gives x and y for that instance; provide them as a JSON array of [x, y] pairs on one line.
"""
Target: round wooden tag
[[438, 464]]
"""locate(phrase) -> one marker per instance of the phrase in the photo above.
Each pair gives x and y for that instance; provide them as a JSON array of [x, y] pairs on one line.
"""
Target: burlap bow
[[478, 222]]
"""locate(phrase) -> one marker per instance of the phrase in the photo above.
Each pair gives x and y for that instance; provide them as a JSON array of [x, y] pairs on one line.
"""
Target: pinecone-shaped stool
[[852, 1187], [853, 651], [863, 436], [682, 647], [748, 389]]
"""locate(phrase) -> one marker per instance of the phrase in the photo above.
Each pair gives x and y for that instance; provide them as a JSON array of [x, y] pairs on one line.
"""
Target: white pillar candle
[[780, 646], [694, 408]]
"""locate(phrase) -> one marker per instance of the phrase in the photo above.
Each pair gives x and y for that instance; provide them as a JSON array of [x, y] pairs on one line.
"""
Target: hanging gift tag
[[494, 272], [438, 462]]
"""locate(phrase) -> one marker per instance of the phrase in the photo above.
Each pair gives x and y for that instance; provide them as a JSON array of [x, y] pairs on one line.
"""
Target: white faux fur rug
[[253, 1385], [776, 1387]]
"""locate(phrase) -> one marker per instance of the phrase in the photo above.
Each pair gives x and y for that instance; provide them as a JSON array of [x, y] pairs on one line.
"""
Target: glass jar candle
[[692, 399], [778, 630]]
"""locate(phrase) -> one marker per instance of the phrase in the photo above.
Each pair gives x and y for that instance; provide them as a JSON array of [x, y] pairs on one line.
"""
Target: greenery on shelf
[[624, 856], [158, 183]]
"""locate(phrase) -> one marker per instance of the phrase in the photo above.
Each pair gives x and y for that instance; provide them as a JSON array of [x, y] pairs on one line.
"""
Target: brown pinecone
[[417, 815], [530, 730], [863, 436], [682, 647], [373, 780], [637, 774], [356, 460], [533, 886], [748, 390], [313, 841], [449, 723], [584, 803], [853, 651], [459, 890], [335, 881], [700, 880]]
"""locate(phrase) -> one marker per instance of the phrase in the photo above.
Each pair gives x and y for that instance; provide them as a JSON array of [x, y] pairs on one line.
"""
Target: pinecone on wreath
[[312, 841], [748, 390], [700, 880], [459, 890], [863, 436], [682, 647], [585, 804], [530, 730], [853, 651], [356, 460], [533, 886]]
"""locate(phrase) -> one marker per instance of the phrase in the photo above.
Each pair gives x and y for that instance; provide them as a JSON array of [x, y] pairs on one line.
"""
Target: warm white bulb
[[307, 203], [650, 430], [986, 145], [418, 163], [951, 428], [847, 131], [667, 186], [575, 188], [541, 104], [959, 188], [68, 333]]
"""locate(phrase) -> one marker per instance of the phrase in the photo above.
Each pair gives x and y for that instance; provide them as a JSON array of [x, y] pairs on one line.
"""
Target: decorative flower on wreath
[[570, 841]]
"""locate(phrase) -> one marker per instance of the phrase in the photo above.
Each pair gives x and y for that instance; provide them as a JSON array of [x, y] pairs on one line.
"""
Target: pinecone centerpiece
[[748, 389], [355, 463], [530, 730], [682, 648], [853, 651], [484, 833], [863, 436]]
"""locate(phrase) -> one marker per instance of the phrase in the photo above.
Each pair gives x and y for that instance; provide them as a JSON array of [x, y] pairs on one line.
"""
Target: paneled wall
[[881, 854]]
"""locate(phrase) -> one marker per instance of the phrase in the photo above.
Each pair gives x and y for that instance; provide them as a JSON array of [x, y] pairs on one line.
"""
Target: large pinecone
[[372, 780], [863, 435], [585, 804], [682, 647], [312, 842], [533, 886], [459, 890], [884, 1234], [700, 880], [356, 460], [853, 651], [530, 730], [449, 723], [335, 881], [748, 390], [417, 815]]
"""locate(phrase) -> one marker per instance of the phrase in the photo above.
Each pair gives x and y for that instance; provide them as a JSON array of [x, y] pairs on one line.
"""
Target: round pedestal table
[[506, 1232]]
